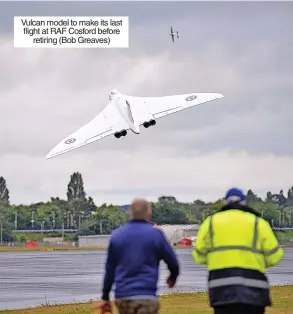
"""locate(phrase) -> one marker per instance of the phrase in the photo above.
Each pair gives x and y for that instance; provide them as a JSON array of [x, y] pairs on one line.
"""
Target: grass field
[[191, 303]]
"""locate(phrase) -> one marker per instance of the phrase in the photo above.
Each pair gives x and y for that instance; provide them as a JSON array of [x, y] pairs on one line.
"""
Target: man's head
[[235, 195], [140, 209]]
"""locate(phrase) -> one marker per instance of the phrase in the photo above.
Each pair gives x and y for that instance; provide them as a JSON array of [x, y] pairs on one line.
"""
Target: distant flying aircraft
[[125, 113], [172, 34]]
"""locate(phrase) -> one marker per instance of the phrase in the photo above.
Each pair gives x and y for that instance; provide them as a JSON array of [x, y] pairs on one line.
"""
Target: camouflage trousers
[[138, 306]]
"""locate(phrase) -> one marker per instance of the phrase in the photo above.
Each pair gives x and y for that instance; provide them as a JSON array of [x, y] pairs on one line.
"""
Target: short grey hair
[[140, 209]]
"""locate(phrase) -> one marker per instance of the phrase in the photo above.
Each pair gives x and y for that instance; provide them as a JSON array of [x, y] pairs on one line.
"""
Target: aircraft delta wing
[[159, 107], [125, 113], [104, 124]]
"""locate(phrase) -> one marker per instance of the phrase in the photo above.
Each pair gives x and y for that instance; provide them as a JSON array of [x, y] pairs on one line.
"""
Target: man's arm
[[273, 253], [109, 272], [167, 254], [202, 243]]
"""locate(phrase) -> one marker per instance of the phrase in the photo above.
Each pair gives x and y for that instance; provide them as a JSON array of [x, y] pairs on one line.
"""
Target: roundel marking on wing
[[190, 98], [70, 140]]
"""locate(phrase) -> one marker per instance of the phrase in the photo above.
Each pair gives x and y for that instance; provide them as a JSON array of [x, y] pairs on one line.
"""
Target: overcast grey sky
[[243, 50]]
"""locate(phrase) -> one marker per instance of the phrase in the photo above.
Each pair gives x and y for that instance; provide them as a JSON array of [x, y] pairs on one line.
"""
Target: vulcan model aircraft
[[125, 113], [172, 34]]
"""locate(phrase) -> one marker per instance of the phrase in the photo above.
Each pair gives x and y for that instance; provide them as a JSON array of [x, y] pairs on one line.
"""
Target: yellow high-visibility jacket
[[237, 246]]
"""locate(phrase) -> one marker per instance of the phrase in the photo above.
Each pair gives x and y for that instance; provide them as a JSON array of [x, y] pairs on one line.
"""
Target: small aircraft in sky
[[125, 113], [172, 34]]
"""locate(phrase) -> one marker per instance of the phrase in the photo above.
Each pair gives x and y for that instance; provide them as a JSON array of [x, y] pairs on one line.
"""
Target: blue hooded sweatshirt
[[133, 260]]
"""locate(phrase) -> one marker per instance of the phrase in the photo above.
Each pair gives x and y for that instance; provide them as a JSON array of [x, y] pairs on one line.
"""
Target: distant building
[[174, 233], [53, 240], [94, 241]]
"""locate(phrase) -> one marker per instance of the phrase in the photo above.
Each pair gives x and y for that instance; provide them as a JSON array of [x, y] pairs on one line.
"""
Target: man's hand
[[104, 307], [171, 283]]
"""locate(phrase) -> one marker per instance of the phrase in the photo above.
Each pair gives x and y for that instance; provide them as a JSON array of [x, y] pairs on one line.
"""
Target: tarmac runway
[[29, 279]]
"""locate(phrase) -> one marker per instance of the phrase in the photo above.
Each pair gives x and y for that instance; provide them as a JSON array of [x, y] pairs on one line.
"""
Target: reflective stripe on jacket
[[237, 247]]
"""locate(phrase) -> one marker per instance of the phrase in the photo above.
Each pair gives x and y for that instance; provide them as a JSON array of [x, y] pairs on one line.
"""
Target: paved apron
[[34, 278]]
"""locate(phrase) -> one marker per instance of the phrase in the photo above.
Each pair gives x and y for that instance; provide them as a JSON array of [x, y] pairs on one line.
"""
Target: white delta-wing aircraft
[[125, 113]]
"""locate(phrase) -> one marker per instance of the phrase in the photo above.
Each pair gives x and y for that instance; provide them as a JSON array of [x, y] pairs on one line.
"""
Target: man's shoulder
[[118, 231], [148, 227], [158, 234], [158, 231], [264, 223]]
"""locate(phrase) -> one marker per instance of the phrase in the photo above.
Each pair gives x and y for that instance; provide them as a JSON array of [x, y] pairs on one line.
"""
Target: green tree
[[91, 205], [290, 197], [162, 214], [75, 188], [269, 197], [4, 192], [90, 227], [269, 211], [167, 200], [105, 219], [80, 211], [252, 197], [199, 202], [6, 227], [282, 200]]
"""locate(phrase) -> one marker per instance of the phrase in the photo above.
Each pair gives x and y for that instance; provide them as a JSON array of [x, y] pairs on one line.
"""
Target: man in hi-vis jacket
[[237, 245]]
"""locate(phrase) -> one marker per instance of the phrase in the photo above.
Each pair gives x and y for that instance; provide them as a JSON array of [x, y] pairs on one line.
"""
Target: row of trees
[[80, 212]]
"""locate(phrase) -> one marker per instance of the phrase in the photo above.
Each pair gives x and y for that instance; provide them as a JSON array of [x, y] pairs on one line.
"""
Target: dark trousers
[[239, 309]]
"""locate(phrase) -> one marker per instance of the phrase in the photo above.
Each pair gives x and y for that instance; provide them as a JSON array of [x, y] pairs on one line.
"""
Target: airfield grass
[[189, 303]]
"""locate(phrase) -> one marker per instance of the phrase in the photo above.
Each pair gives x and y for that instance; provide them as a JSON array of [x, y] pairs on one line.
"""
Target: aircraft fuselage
[[124, 110]]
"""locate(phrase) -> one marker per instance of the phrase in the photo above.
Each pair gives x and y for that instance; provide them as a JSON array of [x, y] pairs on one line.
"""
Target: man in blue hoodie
[[133, 260]]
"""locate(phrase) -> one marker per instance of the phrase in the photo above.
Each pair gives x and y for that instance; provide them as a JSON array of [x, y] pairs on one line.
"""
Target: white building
[[174, 233], [94, 241]]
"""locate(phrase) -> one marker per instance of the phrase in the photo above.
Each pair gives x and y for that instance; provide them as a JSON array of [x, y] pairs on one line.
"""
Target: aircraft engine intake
[[119, 134], [147, 124]]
